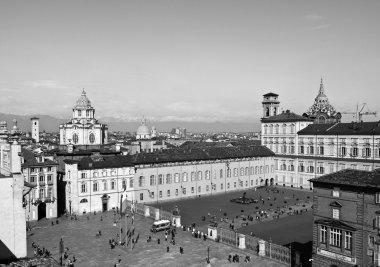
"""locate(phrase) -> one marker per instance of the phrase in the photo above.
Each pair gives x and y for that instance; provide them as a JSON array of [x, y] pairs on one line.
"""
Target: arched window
[[267, 112], [241, 171], [84, 200], [75, 138], [92, 138], [246, 171], [95, 187], [184, 177]]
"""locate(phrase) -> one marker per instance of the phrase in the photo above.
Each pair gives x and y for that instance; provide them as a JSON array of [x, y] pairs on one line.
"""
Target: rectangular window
[[95, 187], [168, 179], [371, 241], [184, 191], [176, 177], [199, 189], [83, 188], [160, 179], [41, 178], [152, 180], [377, 198], [112, 185], [160, 194], [377, 222], [323, 234], [348, 240], [49, 169], [141, 196], [199, 175], [42, 195], [131, 183], [168, 193], [32, 179], [207, 188], [184, 177], [176, 192], [192, 189], [83, 175], [335, 214], [221, 186], [234, 184], [32, 170], [335, 237], [49, 192], [49, 178], [192, 176]]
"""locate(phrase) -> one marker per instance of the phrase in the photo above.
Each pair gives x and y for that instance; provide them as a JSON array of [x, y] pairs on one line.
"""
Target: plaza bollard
[[241, 241], [176, 220], [212, 232], [146, 213], [157, 217], [261, 248]]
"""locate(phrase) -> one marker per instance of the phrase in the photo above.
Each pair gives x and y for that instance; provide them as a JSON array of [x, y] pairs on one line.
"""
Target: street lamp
[[208, 254], [28, 227]]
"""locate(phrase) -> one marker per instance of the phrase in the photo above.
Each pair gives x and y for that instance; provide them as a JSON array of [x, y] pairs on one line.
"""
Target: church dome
[[143, 131], [83, 101]]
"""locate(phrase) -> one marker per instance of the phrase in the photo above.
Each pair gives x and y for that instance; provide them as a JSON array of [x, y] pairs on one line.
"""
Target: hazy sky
[[200, 60]]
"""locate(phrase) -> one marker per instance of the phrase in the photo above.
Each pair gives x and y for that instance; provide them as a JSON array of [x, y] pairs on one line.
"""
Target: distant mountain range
[[51, 124]]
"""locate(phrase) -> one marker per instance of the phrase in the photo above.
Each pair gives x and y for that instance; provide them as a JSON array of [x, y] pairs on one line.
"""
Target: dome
[[143, 130], [83, 101]]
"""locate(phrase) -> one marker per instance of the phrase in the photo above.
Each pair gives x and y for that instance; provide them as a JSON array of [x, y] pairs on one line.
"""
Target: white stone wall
[[12, 222], [214, 184]]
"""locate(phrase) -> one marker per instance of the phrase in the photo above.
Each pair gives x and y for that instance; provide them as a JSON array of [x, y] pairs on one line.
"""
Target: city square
[[81, 239]]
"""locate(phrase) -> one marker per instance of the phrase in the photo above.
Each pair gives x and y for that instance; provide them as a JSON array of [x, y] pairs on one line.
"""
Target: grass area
[[279, 230]]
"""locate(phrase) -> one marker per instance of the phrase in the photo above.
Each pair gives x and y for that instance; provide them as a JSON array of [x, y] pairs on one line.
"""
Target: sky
[[199, 60]]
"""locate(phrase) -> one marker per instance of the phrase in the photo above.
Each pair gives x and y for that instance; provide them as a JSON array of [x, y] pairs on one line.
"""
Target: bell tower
[[270, 105]]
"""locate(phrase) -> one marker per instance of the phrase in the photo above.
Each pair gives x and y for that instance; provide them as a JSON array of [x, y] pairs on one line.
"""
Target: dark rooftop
[[31, 161], [173, 155], [352, 128], [270, 94], [350, 177], [286, 117]]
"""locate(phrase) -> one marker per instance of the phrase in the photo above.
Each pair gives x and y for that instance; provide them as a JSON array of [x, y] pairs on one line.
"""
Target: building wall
[[318, 154], [49, 184], [358, 210], [90, 200], [12, 222], [83, 132], [245, 173], [191, 179]]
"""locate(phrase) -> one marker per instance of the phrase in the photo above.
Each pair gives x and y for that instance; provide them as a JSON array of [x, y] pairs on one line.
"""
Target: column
[[241, 241]]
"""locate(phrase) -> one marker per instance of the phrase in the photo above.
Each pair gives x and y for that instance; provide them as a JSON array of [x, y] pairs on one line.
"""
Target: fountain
[[243, 200]]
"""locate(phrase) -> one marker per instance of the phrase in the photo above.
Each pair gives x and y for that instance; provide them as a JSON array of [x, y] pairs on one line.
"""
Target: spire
[[83, 92], [321, 89]]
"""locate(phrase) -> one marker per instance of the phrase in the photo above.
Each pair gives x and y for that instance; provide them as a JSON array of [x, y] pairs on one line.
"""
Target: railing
[[277, 252], [272, 251]]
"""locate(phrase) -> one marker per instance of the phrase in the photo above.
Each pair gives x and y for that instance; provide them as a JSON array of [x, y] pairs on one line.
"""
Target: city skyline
[[187, 61]]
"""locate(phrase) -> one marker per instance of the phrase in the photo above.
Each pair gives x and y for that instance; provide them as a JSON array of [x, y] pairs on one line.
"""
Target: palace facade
[[306, 148], [96, 184]]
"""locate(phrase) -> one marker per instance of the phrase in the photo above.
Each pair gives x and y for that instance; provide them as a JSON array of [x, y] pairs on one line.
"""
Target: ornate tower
[[322, 111], [35, 129], [270, 105]]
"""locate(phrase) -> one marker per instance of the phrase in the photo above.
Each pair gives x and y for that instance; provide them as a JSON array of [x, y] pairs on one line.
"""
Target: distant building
[[83, 128], [347, 219], [35, 129]]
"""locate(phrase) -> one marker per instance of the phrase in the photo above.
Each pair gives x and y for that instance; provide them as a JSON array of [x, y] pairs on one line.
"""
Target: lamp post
[[208, 254], [28, 226], [114, 217]]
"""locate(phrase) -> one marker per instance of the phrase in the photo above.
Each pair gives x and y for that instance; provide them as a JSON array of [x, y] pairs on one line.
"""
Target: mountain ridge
[[51, 124]]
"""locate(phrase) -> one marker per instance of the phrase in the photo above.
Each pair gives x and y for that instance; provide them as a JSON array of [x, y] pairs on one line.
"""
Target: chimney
[[117, 147], [15, 157]]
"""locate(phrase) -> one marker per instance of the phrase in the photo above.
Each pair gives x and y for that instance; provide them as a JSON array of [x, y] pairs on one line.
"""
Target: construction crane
[[359, 113]]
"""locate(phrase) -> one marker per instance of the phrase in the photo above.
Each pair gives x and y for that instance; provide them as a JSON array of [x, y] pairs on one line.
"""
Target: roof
[[204, 153], [335, 224], [350, 177], [352, 128], [286, 117], [171, 155], [270, 94], [31, 161], [88, 163]]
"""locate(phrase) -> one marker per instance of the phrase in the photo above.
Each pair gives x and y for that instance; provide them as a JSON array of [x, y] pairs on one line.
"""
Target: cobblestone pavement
[[80, 238]]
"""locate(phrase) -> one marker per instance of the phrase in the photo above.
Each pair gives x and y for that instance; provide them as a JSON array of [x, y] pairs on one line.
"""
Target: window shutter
[[363, 152]]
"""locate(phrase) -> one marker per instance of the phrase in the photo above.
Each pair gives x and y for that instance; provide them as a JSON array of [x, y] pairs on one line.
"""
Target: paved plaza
[[80, 240]]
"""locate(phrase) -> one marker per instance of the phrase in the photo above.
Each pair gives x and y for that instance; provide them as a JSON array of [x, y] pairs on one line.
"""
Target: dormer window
[[335, 192]]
